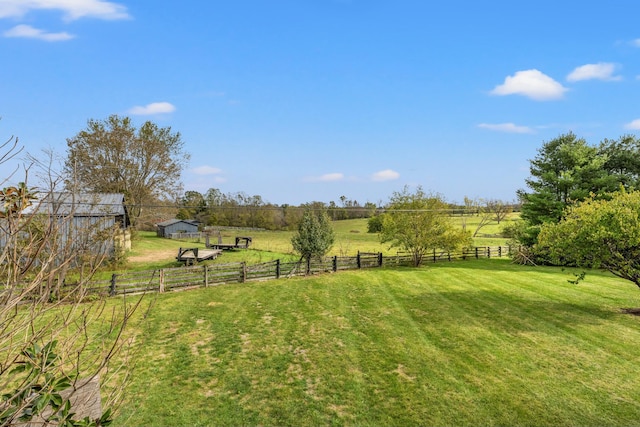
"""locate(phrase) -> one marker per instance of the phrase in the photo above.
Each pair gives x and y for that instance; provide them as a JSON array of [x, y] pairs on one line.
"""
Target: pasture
[[150, 251], [352, 236], [457, 343]]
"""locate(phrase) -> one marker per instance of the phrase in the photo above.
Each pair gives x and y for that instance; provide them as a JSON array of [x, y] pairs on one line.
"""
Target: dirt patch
[[157, 255], [633, 311], [402, 374]]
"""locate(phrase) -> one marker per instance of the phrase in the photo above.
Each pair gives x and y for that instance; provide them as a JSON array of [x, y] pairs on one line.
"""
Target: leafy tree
[[290, 216], [597, 234], [418, 223], [374, 224], [315, 236], [112, 156], [193, 204]]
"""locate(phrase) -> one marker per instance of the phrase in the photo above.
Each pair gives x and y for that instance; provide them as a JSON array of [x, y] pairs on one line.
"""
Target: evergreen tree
[[566, 170]]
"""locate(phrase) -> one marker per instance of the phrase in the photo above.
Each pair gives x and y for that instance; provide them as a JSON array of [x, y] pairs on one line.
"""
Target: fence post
[[449, 256], [206, 276], [379, 259], [434, 255], [112, 287], [335, 263], [499, 251], [476, 252], [161, 275], [488, 251], [358, 260], [277, 269], [308, 267], [243, 273]]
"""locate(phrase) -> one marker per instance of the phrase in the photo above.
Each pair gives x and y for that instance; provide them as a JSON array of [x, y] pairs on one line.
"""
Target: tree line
[[241, 210]]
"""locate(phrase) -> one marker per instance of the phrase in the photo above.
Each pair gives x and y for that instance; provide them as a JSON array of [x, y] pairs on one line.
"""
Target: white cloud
[[328, 177], [206, 170], [532, 84], [633, 125], [27, 31], [599, 71], [506, 127], [71, 9], [635, 42], [153, 108], [385, 175]]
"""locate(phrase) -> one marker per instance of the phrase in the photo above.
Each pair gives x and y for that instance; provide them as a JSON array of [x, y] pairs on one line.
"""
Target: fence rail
[[183, 236], [172, 279]]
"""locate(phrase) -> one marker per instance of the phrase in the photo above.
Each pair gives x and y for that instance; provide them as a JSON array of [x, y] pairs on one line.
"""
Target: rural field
[[478, 342], [351, 236]]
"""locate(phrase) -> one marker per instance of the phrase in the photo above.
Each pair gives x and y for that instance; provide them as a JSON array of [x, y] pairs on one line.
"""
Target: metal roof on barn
[[82, 204], [175, 221]]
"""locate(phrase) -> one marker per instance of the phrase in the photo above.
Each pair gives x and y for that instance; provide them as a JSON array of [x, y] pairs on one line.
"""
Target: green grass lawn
[[463, 343]]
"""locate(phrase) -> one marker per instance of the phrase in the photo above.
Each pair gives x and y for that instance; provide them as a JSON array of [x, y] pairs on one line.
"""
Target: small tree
[[418, 223], [374, 224], [499, 209], [315, 235], [597, 234]]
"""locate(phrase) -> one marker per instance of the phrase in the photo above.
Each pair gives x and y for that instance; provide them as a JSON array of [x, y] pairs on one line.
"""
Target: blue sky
[[303, 100]]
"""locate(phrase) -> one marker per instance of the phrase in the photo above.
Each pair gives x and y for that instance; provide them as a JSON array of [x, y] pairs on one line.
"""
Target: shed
[[167, 228], [83, 219]]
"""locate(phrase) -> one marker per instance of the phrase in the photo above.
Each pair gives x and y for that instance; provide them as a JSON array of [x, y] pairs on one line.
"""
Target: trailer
[[190, 256], [241, 242]]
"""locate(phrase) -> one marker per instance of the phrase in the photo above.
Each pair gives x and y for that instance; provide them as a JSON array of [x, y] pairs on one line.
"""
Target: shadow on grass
[[506, 312], [507, 265]]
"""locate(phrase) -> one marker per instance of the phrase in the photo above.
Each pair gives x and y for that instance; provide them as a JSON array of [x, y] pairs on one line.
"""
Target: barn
[[90, 222], [167, 228]]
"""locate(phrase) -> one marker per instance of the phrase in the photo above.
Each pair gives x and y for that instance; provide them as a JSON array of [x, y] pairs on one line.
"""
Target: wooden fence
[[186, 236], [173, 279]]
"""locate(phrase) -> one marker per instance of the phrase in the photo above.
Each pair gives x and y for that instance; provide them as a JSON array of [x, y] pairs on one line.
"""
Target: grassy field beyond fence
[[461, 343]]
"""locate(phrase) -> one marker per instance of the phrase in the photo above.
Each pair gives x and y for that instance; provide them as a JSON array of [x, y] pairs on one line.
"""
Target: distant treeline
[[241, 210], [215, 208]]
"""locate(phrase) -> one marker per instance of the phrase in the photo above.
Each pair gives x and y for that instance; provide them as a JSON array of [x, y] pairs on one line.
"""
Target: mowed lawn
[[462, 343]]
